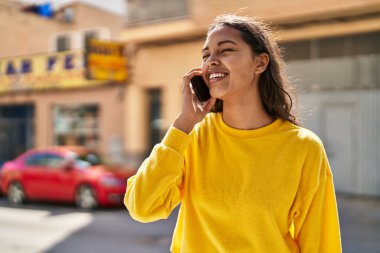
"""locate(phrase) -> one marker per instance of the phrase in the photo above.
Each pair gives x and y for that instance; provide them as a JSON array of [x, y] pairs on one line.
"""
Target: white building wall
[[348, 122]]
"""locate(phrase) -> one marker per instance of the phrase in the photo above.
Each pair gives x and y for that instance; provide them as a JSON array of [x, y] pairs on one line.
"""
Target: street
[[56, 228], [359, 223]]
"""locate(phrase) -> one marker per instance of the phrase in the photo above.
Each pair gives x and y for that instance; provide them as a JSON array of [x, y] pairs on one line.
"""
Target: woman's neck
[[246, 113]]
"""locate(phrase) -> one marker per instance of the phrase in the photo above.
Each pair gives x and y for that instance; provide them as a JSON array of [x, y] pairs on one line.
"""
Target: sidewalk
[[359, 223]]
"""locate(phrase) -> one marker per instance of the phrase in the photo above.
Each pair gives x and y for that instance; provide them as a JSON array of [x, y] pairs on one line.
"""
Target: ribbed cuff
[[176, 139]]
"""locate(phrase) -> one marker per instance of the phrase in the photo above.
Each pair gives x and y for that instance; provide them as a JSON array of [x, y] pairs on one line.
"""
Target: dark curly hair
[[273, 84]]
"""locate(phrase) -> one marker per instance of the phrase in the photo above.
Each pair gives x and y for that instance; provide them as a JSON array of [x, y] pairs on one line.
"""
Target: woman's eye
[[204, 57], [226, 50]]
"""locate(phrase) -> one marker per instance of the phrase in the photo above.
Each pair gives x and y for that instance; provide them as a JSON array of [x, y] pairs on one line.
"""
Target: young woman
[[248, 177]]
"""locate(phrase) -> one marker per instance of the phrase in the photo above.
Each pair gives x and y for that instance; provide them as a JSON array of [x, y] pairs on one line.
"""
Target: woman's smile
[[216, 77]]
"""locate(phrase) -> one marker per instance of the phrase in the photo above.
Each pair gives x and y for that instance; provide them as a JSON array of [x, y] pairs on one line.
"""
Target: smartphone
[[200, 88]]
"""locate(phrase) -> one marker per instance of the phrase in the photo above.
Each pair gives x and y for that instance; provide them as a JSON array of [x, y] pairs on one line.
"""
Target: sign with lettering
[[62, 70], [105, 60]]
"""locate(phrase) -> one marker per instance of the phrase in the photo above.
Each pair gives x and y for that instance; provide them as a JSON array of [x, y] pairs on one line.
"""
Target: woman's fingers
[[187, 77], [193, 70], [198, 106], [206, 106], [195, 104], [191, 107], [192, 89], [192, 110], [210, 104]]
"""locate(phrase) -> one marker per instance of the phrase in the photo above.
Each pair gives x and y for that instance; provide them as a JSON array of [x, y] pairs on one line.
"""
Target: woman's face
[[228, 64]]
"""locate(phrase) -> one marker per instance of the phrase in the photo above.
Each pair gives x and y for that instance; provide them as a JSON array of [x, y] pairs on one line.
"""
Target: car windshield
[[87, 160]]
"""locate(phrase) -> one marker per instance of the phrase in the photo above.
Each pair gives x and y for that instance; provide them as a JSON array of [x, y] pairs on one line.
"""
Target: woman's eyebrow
[[221, 43]]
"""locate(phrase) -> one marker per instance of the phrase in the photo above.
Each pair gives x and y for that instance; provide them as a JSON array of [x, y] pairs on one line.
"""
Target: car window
[[90, 158], [54, 161], [47, 160], [35, 160]]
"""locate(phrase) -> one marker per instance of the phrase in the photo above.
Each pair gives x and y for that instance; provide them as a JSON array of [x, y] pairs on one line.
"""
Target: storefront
[[46, 100]]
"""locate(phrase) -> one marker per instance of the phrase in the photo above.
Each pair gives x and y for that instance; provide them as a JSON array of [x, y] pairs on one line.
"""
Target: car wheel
[[86, 198], [16, 193]]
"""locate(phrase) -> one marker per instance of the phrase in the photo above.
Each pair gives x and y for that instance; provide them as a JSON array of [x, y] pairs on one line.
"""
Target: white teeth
[[216, 75]]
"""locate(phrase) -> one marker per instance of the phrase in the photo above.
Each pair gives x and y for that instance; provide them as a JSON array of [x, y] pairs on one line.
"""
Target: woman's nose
[[212, 60]]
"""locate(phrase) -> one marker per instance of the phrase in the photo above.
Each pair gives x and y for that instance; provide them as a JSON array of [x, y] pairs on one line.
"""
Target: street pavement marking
[[35, 231]]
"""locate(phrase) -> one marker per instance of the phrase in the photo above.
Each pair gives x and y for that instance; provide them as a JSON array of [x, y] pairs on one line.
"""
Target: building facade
[[332, 54], [45, 98]]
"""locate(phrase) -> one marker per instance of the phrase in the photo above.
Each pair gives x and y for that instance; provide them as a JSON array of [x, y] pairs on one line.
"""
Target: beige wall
[[27, 33], [109, 98], [282, 11], [156, 67], [320, 18]]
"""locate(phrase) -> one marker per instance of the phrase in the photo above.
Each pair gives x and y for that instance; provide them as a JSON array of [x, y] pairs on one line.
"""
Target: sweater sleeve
[[156, 188], [316, 223]]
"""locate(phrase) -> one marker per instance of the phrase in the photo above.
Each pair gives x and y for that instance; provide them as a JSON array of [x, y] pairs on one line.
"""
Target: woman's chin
[[217, 94]]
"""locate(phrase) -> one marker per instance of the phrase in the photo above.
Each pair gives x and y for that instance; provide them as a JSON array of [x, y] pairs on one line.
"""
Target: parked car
[[64, 174]]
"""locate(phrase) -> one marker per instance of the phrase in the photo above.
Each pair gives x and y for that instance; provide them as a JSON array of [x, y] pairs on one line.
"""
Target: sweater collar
[[258, 132]]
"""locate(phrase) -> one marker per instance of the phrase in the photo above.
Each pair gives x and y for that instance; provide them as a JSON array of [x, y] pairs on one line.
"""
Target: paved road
[[50, 228], [360, 224]]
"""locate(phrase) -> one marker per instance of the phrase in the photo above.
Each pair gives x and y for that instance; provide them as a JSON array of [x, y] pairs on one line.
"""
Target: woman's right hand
[[192, 110]]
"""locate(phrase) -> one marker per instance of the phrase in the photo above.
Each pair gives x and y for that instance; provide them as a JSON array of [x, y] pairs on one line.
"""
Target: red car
[[64, 174]]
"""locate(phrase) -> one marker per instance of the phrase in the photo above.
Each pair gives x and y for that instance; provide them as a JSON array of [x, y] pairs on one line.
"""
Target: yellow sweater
[[268, 190]]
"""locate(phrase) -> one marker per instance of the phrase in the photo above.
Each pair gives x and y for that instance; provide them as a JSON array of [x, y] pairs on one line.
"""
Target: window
[[140, 11], [297, 50], [90, 159], [332, 47], [365, 44], [35, 160], [54, 161], [45, 160], [63, 43], [335, 47], [76, 125], [89, 35], [68, 15]]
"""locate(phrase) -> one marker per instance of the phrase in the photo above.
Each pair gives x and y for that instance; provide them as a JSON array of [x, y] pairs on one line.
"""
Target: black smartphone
[[200, 88]]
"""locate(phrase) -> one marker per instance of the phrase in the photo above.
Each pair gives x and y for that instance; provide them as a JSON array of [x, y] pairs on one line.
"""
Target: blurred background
[[107, 75]]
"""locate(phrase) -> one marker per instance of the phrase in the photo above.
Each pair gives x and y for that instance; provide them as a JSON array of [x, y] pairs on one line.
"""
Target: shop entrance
[[155, 120], [16, 130]]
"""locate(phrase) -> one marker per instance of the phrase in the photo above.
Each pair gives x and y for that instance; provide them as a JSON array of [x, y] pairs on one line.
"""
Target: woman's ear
[[261, 62]]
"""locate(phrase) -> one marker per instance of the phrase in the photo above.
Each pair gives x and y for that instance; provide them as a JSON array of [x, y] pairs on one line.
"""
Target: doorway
[[16, 130], [340, 143], [155, 121]]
